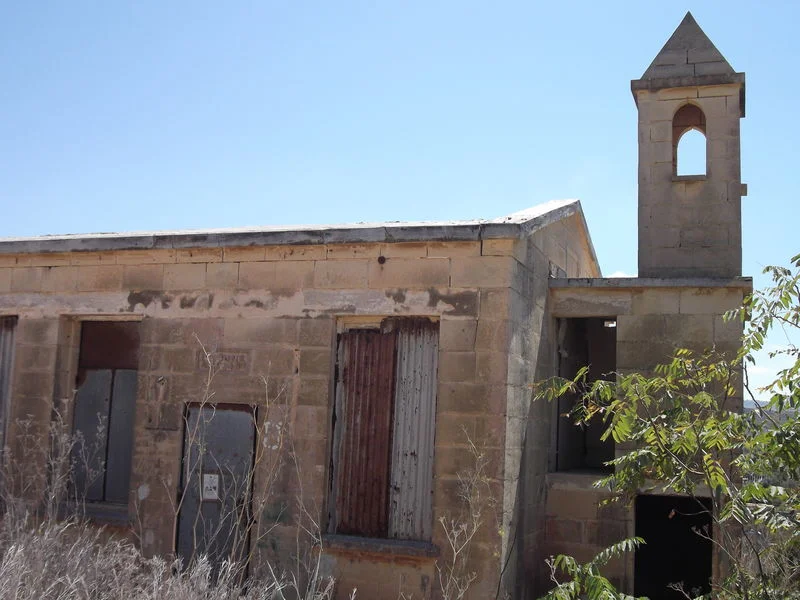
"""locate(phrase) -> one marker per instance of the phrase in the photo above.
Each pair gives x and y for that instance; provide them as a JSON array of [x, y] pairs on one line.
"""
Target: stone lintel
[[597, 284]]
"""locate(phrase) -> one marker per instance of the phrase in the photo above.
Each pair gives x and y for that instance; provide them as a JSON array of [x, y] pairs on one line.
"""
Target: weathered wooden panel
[[410, 507], [120, 436], [217, 479], [90, 423], [363, 439]]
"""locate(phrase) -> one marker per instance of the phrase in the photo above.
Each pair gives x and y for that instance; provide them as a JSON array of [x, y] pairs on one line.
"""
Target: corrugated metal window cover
[[364, 405], [382, 481]]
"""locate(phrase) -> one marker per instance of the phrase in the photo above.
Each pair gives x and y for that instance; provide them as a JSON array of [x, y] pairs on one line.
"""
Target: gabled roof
[[515, 225], [688, 58]]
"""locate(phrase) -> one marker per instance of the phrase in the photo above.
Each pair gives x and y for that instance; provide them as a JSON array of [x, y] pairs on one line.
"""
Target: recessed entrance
[[677, 531]]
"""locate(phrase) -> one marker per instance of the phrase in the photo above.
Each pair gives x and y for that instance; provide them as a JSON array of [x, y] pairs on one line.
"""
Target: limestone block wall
[[562, 247], [690, 226], [654, 317], [271, 313]]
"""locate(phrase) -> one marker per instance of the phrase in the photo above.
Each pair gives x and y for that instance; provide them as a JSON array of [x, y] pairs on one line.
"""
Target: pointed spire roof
[[688, 58]]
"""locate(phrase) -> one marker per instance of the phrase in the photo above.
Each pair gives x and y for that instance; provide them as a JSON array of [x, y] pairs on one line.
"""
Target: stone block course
[[341, 274], [256, 275], [317, 332], [727, 330], [60, 279], [409, 273], [36, 358], [295, 253], [315, 361], [196, 255], [655, 301], [248, 331], [27, 279], [349, 251], [314, 390], [457, 366], [138, 257], [484, 271], [143, 277], [244, 254], [710, 300], [564, 530], [471, 397], [93, 258], [222, 275], [293, 276], [100, 278], [55, 259], [453, 249], [457, 335], [187, 276], [5, 279], [492, 367], [404, 250], [572, 504]]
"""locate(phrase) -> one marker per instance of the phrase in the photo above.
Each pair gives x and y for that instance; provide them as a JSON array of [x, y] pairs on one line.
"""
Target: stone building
[[352, 365]]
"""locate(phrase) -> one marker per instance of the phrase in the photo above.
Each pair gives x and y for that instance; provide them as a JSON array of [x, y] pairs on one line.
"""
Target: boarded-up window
[[7, 327], [383, 432], [104, 410]]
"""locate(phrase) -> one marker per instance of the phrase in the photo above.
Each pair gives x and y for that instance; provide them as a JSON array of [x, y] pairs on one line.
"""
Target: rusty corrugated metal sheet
[[7, 327], [364, 423], [410, 508]]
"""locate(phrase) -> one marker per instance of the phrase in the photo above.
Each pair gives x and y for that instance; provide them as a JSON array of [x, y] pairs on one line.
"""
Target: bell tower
[[690, 225]]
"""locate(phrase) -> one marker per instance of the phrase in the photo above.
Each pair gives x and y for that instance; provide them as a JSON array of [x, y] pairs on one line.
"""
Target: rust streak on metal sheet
[[410, 508], [365, 414]]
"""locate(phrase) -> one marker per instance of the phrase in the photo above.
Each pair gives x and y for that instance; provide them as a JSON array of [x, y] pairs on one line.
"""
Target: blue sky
[[172, 115]]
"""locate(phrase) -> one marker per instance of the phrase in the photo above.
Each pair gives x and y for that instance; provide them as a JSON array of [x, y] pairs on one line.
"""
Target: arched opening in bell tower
[[689, 141]]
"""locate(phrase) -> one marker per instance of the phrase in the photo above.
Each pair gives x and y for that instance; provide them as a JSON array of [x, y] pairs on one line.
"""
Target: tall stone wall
[[270, 314], [690, 226]]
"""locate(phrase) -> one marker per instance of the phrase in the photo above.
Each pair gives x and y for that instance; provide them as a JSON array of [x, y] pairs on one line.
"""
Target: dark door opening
[[677, 532], [217, 480]]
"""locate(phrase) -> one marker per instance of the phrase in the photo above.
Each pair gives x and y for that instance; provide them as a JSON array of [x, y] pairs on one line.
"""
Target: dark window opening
[[104, 409], [689, 141], [7, 328], [592, 343], [383, 430], [677, 553]]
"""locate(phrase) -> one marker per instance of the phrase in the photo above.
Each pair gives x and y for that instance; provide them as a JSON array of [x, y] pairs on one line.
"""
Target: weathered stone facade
[[269, 305], [271, 310]]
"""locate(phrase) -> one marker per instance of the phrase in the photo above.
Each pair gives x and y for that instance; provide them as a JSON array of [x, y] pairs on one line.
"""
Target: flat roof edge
[[618, 283], [517, 225]]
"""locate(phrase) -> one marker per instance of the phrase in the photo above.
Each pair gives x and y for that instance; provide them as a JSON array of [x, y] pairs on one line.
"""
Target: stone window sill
[[379, 547], [689, 178], [575, 480], [105, 513]]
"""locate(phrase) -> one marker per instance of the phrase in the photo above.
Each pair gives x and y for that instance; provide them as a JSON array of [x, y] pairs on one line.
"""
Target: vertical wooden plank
[[92, 403], [120, 436]]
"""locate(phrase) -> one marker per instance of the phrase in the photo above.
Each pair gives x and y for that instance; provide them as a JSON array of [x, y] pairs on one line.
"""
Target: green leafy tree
[[682, 432]]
